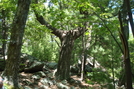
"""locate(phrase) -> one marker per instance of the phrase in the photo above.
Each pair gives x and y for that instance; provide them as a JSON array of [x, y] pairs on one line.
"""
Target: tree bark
[[124, 40], [14, 50], [63, 68]]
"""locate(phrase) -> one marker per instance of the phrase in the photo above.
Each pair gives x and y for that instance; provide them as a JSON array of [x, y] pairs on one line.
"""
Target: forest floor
[[37, 84], [27, 82], [31, 81]]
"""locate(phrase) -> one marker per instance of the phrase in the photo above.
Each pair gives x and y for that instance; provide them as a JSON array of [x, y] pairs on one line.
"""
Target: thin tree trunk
[[124, 40], [86, 46], [83, 58], [112, 65], [82, 67], [14, 50]]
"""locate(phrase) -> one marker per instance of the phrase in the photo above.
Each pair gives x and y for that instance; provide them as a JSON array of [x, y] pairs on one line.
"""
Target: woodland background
[[70, 32]]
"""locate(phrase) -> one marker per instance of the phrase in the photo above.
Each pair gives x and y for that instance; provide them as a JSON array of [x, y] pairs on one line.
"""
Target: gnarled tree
[[67, 38]]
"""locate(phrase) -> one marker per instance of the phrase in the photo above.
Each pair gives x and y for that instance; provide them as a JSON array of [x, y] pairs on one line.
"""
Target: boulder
[[27, 60], [30, 64], [51, 65], [62, 86], [88, 68], [73, 81], [47, 82], [36, 77], [40, 73], [64, 82], [27, 87], [74, 70], [35, 67]]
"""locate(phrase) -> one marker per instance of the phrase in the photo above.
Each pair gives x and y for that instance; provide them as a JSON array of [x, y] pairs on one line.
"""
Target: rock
[[72, 87], [88, 68], [74, 70], [72, 81], [36, 77], [41, 74], [50, 75], [51, 65], [46, 70], [64, 82], [46, 82], [77, 82], [44, 87], [26, 82], [62, 86], [54, 82], [27, 87], [30, 64], [36, 88], [35, 67]]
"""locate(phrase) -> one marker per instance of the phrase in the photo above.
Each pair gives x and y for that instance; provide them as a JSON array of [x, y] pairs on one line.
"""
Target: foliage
[[97, 76], [39, 42]]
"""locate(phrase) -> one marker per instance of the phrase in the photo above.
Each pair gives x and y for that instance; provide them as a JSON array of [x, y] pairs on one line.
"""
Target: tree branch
[[42, 21], [80, 30], [110, 32]]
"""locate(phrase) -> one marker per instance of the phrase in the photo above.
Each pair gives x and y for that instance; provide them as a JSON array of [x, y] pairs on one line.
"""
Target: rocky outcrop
[[30, 64]]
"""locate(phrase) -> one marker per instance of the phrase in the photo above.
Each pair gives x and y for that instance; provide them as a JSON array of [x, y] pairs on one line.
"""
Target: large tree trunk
[[14, 50], [63, 68]]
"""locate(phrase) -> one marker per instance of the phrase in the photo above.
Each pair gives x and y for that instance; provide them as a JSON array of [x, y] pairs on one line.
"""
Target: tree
[[14, 49], [67, 38], [124, 32]]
